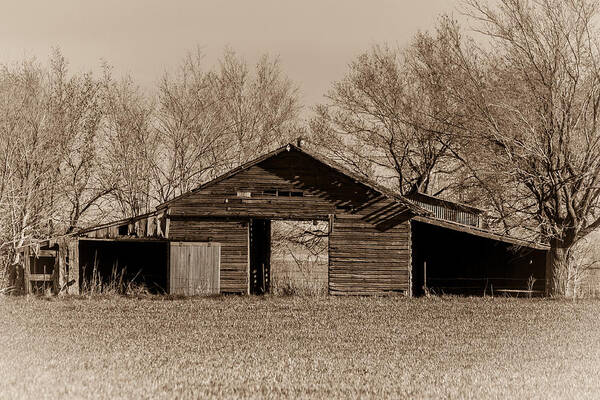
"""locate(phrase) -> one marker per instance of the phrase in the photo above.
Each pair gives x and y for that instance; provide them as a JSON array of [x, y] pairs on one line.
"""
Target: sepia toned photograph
[[276, 199]]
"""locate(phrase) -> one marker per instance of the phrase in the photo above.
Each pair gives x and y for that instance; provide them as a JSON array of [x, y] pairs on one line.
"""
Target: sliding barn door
[[194, 268]]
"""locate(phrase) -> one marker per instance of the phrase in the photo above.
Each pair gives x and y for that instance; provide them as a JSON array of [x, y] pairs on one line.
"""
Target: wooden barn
[[217, 238]]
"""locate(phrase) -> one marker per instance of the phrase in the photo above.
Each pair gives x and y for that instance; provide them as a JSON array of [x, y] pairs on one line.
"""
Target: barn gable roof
[[417, 210], [420, 214]]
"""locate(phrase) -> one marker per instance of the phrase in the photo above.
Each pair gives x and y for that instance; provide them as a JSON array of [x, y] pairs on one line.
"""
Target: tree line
[[503, 115], [77, 149]]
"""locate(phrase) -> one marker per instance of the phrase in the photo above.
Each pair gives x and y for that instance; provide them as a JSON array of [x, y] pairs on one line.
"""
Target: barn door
[[194, 268], [260, 256]]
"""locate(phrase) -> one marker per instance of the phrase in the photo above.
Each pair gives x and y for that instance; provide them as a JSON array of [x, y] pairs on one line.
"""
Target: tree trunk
[[557, 268]]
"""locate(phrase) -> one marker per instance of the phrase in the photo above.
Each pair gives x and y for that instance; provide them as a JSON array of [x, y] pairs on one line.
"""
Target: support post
[[26, 270], [410, 260], [56, 273], [67, 278], [425, 276], [73, 279], [331, 220], [548, 274], [61, 267]]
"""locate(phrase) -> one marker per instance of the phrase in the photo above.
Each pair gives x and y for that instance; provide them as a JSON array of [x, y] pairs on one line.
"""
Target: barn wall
[[369, 242], [233, 236]]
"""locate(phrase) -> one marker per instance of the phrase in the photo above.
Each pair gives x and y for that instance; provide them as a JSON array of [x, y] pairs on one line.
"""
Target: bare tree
[[129, 146], [29, 169], [212, 120], [28, 145], [377, 121], [192, 137], [532, 93], [49, 120], [258, 111], [74, 110]]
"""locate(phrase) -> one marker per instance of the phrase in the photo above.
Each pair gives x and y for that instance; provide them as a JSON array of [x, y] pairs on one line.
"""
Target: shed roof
[[480, 232]]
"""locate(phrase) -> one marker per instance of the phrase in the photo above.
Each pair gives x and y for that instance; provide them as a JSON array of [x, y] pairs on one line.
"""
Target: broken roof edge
[[416, 209], [122, 221], [47, 242], [481, 232], [54, 239]]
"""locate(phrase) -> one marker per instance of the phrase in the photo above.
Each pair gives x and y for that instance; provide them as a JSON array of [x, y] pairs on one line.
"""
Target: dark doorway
[[451, 262], [139, 262], [260, 256]]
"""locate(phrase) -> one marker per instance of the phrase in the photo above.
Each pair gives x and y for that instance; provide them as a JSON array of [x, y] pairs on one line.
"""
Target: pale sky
[[314, 39]]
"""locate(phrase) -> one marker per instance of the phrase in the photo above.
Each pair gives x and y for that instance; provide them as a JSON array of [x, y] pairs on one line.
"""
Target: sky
[[314, 39]]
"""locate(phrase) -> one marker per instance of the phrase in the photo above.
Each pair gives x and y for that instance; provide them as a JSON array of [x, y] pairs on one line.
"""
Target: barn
[[217, 238]]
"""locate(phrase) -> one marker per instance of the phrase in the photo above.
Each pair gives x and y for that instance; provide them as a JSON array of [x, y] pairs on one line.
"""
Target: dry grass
[[299, 347], [290, 278]]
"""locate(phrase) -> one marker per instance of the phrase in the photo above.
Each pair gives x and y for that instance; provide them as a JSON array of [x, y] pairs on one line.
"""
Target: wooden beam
[[125, 239], [331, 219], [40, 278], [45, 253], [481, 233], [55, 273]]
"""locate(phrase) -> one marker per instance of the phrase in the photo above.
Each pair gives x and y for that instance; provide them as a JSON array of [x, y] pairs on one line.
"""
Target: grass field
[[273, 347]]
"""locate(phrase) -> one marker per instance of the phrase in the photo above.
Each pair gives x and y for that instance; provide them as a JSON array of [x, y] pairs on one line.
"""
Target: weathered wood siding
[[370, 239], [305, 189], [365, 260], [233, 236]]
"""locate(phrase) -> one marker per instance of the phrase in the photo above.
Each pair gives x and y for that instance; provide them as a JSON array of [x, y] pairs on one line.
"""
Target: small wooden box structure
[[38, 270], [194, 268]]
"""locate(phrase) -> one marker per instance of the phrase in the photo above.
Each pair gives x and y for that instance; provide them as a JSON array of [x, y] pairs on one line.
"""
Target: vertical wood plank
[[329, 264], [194, 268], [216, 270], [410, 267], [167, 226], [172, 267]]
